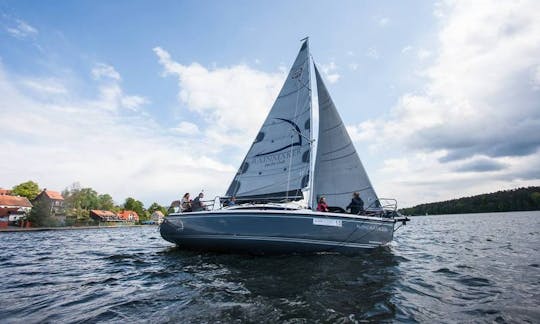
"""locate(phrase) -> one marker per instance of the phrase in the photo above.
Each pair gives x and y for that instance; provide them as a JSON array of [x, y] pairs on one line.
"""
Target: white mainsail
[[278, 163], [338, 170]]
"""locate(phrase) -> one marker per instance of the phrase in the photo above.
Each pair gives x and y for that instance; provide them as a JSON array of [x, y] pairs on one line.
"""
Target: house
[[13, 208], [52, 203], [104, 216], [53, 199], [128, 216], [4, 192], [157, 217]]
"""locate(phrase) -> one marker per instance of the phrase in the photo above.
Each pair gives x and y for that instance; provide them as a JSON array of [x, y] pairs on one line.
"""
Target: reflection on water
[[458, 268], [287, 288]]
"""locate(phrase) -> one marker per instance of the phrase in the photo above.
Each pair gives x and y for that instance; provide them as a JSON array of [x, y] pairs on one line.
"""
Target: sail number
[[327, 222]]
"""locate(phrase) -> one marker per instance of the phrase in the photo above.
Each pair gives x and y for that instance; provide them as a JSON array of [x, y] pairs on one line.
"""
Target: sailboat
[[278, 185]]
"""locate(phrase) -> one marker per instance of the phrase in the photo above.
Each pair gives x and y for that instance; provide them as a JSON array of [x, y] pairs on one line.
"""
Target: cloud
[[480, 98], [330, 72], [481, 165], [423, 54], [232, 101], [536, 78], [44, 86], [354, 66], [187, 128], [102, 70], [406, 49], [120, 152], [21, 29]]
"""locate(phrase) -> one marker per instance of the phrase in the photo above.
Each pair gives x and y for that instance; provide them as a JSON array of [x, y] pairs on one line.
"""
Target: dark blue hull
[[276, 232]]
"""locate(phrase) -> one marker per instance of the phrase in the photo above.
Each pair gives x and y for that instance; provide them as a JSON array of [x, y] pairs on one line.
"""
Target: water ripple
[[460, 268]]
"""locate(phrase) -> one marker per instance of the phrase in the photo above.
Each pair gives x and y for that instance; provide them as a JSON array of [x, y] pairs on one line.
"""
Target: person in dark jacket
[[197, 204], [357, 204]]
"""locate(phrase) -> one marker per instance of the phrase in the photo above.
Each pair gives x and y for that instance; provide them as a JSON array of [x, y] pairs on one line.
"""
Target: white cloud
[[187, 128], [133, 102], [233, 101], [102, 70], [423, 54], [44, 85], [474, 127], [112, 96], [406, 49], [330, 72], [21, 29], [75, 139]]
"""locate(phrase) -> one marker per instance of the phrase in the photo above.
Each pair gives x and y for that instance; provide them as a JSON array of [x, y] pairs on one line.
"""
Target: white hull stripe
[[280, 239]]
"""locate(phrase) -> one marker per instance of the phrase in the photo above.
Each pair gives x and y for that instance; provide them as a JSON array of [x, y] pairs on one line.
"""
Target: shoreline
[[64, 228]]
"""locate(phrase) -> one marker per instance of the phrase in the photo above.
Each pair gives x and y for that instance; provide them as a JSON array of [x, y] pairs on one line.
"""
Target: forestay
[[276, 166], [338, 170]]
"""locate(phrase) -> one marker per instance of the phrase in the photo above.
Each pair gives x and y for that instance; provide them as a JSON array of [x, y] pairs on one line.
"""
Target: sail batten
[[276, 166], [338, 171]]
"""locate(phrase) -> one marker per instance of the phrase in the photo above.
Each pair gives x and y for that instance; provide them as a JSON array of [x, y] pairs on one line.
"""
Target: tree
[[39, 215], [84, 198], [28, 189], [136, 206], [105, 202], [535, 197], [155, 206]]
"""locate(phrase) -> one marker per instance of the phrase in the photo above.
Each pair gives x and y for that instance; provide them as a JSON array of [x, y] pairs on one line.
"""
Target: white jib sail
[[338, 170]]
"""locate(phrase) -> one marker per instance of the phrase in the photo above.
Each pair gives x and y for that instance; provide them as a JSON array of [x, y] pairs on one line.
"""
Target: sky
[[151, 99]]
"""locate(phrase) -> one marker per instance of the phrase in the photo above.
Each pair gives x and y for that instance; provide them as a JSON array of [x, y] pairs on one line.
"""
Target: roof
[[158, 212], [124, 214], [53, 194], [18, 201], [103, 213]]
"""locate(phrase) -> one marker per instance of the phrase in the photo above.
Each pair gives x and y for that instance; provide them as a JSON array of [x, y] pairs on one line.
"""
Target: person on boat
[[357, 204], [197, 204], [229, 202], [322, 206], [185, 203]]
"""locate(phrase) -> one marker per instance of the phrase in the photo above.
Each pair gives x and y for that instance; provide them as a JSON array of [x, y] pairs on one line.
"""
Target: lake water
[[457, 268]]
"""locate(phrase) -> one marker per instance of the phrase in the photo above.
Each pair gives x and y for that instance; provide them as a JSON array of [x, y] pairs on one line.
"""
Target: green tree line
[[78, 202], [521, 199]]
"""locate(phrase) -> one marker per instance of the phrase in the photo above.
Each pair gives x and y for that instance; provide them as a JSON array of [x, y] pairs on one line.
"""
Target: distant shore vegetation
[[77, 203], [521, 199]]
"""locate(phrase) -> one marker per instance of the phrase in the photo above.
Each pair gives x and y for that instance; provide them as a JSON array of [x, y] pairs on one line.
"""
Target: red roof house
[[13, 208], [53, 200], [104, 216], [128, 216], [7, 201]]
